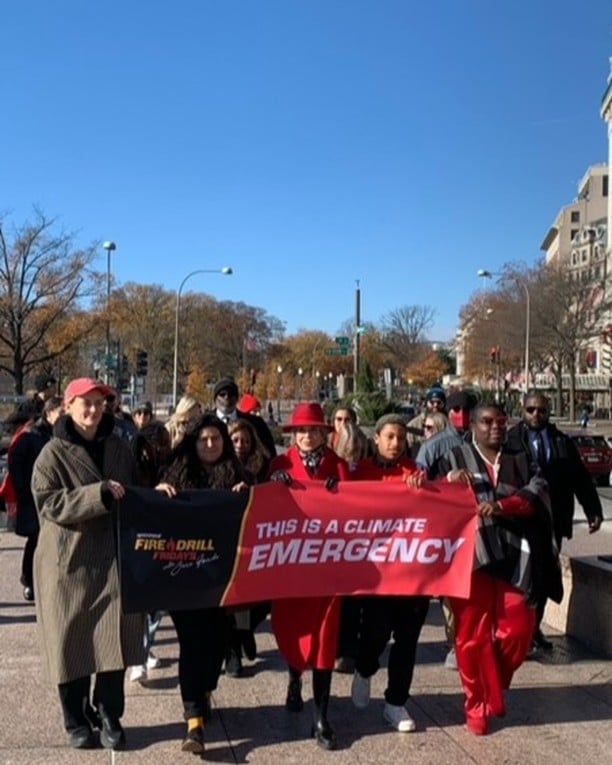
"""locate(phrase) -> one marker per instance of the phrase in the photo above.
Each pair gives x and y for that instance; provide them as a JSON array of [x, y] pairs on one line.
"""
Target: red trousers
[[493, 633]]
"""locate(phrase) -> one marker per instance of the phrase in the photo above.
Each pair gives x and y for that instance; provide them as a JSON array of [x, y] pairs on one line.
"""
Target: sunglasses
[[428, 427], [538, 409], [499, 421], [225, 393]]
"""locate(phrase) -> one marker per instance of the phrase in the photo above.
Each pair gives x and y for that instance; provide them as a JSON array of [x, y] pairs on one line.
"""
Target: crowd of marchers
[[71, 458]]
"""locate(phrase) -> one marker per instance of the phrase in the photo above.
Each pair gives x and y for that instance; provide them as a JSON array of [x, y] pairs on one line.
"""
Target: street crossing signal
[[142, 363]]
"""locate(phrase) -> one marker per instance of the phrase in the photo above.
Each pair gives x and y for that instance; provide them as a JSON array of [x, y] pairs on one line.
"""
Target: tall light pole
[[488, 275], [109, 247], [300, 377], [226, 271], [357, 338], [279, 369]]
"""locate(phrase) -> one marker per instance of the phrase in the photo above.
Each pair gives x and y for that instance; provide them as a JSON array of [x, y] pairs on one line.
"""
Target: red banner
[[216, 547]]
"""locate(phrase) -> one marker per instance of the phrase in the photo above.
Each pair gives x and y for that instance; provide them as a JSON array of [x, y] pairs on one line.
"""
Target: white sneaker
[[138, 674], [398, 718], [451, 660], [360, 691], [153, 662]]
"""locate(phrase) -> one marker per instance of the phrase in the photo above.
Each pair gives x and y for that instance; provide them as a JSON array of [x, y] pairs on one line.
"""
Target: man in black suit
[[226, 395], [565, 472]]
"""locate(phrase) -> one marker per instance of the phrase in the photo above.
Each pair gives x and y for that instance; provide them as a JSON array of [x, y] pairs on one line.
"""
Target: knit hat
[[389, 419], [435, 392], [44, 382], [249, 404], [225, 383], [461, 399]]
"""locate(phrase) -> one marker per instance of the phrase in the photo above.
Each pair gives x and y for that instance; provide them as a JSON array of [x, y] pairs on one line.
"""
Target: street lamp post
[[330, 376], [300, 376], [279, 369], [109, 247], [488, 275], [226, 271]]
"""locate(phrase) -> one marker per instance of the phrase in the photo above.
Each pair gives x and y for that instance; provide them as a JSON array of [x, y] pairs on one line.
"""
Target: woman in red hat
[[306, 629]]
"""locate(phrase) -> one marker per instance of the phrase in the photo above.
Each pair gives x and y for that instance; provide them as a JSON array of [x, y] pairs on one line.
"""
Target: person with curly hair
[[205, 459]]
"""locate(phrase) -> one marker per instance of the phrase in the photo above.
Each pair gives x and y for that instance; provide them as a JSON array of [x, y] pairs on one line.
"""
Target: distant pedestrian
[[21, 461], [584, 418]]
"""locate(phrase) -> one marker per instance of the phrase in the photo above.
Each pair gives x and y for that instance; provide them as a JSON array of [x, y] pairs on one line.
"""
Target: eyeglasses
[[428, 427], [225, 393], [436, 401], [459, 409], [488, 421], [538, 409]]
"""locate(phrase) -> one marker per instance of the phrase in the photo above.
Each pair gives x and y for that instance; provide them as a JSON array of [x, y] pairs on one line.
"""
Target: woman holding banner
[[204, 459], [306, 629], [515, 560]]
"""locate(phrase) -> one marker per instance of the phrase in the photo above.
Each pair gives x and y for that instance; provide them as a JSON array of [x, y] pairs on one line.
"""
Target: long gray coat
[[76, 579]]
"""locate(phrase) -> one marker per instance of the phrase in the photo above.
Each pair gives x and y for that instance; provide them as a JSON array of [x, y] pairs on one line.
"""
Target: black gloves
[[331, 483], [282, 476]]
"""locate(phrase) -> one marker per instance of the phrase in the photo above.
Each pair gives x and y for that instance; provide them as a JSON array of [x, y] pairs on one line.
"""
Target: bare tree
[[404, 331], [43, 278]]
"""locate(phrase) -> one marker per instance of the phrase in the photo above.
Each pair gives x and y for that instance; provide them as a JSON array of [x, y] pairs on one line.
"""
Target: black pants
[[108, 698], [402, 618], [203, 636], [350, 622], [27, 578]]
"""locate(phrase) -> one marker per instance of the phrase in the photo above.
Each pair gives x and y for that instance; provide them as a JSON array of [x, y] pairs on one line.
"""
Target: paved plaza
[[559, 708]]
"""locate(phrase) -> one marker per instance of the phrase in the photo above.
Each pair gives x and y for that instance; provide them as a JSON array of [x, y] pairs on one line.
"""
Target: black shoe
[[294, 701], [28, 594], [233, 664], [540, 642], [194, 741], [324, 735], [83, 738], [247, 639], [112, 735]]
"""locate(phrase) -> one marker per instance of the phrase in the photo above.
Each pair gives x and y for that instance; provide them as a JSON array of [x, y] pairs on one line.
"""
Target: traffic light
[[142, 363], [124, 366]]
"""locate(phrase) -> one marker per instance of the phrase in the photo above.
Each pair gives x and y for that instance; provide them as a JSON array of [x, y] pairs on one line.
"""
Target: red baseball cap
[[84, 385]]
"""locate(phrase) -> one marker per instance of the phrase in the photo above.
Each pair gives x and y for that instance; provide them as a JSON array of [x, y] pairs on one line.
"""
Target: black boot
[[233, 656], [321, 729], [294, 701]]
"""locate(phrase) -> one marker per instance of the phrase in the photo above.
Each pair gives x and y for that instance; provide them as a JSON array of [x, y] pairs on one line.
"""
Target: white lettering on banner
[[378, 550], [385, 526]]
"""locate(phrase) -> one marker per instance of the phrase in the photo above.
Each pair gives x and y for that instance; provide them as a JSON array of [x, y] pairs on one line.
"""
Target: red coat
[[306, 629], [369, 470]]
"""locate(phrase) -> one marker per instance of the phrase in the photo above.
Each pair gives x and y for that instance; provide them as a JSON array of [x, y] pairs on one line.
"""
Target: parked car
[[596, 455]]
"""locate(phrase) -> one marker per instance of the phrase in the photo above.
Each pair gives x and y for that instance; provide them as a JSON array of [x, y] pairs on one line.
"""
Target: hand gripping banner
[[207, 548]]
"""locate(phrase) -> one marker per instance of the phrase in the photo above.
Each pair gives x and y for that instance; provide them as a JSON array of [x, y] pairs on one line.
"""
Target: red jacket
[[369, 470], [306, 629]]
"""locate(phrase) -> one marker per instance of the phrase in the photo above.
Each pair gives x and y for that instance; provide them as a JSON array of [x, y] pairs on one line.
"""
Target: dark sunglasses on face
[[489, 421], [538, 409], [458, 409], [428, 427], [224, 393]]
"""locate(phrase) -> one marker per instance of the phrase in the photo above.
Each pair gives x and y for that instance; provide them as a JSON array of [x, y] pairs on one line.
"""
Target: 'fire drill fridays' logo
[[173, 550]]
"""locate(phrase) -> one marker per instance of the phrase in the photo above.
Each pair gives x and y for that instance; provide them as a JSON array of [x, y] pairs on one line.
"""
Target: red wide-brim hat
[[309, 415]]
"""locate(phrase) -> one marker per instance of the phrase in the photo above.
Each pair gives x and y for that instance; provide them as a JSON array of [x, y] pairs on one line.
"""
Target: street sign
[[342, 340], [341, 350]]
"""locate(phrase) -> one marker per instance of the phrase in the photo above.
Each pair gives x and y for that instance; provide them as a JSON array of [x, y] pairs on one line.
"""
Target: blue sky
[[306, 143]]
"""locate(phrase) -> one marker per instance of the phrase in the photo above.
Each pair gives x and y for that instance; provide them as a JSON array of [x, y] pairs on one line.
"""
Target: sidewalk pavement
[[559, 707]]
